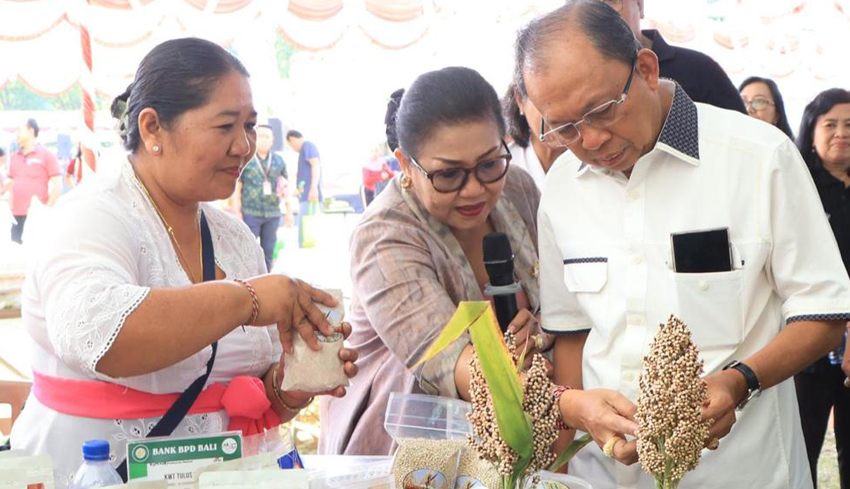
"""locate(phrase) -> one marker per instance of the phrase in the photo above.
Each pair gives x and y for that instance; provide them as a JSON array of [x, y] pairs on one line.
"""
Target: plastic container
[[423, 416], [95, 470], [349, 472], [570, 481]]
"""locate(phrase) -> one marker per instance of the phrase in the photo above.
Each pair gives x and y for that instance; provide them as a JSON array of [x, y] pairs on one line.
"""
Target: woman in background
[[824, 142], [763, 101], [527, 151]]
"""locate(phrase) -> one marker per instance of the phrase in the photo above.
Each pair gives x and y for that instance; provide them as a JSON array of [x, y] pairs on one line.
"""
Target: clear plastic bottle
[[95, 470]]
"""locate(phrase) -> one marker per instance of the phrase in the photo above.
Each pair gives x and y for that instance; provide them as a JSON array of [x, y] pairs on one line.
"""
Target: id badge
[[267, 188]]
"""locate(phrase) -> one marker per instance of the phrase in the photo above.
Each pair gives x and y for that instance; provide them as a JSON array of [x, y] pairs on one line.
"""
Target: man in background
[[33, 171], [699, 75], [309, 176], [257, 194]]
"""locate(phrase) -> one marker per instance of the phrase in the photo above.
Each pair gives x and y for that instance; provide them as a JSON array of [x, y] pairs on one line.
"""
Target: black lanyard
[[175, 414], [265, 171]]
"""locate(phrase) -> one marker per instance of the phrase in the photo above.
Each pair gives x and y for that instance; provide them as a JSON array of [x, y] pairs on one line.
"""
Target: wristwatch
[[753, 385]]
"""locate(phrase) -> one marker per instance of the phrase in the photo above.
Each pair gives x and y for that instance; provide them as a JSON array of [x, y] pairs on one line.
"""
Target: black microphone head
[[499, 259]]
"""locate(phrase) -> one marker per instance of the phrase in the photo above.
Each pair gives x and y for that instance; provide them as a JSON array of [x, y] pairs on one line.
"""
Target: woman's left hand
[[347, 355]]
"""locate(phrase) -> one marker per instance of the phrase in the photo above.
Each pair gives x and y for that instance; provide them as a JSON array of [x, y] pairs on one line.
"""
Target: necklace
[[170, 231]]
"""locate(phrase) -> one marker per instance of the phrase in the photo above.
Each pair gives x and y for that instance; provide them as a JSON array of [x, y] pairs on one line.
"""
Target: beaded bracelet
[[277, 394], [557, 392], [255, 301]]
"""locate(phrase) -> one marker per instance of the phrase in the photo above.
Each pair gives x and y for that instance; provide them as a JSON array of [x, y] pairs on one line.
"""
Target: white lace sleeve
[[88, 282]]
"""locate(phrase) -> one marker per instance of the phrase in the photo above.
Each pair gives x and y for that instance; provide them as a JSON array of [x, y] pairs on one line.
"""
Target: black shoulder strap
[[181, 406]]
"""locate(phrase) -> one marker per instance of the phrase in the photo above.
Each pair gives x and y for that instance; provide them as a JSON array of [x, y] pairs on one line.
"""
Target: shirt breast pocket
[[711, 304]]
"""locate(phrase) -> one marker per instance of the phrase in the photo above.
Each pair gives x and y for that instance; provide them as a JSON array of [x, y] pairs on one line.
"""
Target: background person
[[824, 142], [764, 102], [257, 196], [699, 75], [34, 172], [527, 151]]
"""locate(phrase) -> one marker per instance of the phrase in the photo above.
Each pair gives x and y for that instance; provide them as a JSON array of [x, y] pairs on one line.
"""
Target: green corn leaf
[[467, 313], [568, 453], [503, 382]]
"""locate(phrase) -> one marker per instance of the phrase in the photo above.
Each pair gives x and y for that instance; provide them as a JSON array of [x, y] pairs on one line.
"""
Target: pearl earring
[[155, 148]]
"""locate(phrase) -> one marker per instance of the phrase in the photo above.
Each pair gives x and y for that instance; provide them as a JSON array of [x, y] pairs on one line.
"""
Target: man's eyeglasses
[[453, 179], [602, 116], [758, 104]]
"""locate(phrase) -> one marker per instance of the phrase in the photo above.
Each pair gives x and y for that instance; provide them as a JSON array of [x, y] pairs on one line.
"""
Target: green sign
[[176, 459]]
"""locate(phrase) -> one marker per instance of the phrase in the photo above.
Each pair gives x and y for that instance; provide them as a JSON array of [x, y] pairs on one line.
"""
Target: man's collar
[[680, 134], [659, 46]]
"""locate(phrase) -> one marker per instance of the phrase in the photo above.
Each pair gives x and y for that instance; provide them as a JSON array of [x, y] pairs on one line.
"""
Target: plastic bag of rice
[[317, 371]]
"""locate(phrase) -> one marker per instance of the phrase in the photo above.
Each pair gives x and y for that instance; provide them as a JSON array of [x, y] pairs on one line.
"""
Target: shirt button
[[637, 260], [633, 195], [703, 285], [629, 377]]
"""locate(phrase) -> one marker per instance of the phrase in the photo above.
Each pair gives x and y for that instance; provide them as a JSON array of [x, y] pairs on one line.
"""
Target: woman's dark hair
[[389, 118], [175, 77], [778, 103], [602, 26], [518, 128], [444, 97], [823, 103]]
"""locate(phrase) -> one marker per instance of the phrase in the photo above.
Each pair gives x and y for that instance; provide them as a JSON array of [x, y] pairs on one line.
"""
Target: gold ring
[[538, 342], [713, 444], [608, 449]]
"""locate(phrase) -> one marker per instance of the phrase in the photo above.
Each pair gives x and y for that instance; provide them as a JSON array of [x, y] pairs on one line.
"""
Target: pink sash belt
[[244, 399]]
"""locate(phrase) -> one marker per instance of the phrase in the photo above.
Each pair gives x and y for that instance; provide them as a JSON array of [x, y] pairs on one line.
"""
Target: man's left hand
[[726, 389], [313, 196]]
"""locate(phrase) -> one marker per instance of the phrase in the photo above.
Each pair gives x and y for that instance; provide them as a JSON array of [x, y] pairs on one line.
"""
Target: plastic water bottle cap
[[96, 450]]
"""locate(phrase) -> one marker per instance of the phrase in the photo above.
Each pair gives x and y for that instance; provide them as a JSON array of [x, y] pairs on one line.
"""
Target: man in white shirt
[[646, 162]]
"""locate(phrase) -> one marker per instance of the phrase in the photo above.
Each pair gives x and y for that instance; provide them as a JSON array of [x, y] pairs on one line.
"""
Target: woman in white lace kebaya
[[121, 321]]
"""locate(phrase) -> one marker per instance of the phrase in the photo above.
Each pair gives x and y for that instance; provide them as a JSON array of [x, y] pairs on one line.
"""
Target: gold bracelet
[[277, 394]]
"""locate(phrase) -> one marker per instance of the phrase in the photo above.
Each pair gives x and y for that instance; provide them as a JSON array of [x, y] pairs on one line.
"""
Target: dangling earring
[[406, 182]]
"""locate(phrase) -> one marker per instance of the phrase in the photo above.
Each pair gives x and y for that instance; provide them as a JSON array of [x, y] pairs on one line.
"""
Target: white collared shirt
[[606, 268]]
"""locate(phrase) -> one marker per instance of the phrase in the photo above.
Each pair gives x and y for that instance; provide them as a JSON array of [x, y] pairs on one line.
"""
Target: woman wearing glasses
[[763, 101], [418, 252]]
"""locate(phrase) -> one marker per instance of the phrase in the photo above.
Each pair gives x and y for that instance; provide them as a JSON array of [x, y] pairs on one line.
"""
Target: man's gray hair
[[601, 25]]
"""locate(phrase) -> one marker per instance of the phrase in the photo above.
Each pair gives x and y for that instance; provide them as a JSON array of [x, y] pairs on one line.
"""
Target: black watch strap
[[752, 380]]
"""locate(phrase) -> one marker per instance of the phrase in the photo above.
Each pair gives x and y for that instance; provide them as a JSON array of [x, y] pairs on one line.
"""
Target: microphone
[[499, 262]]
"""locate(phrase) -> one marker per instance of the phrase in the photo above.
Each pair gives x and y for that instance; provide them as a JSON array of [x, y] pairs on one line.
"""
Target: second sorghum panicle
[[671, 433]]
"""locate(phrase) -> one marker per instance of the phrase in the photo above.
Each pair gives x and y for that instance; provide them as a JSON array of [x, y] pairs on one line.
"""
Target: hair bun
[[119, 104], [389, 118]]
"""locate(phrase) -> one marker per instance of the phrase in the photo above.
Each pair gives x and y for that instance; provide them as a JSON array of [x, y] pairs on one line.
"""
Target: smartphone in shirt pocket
[[708, 292], [707, 251]]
